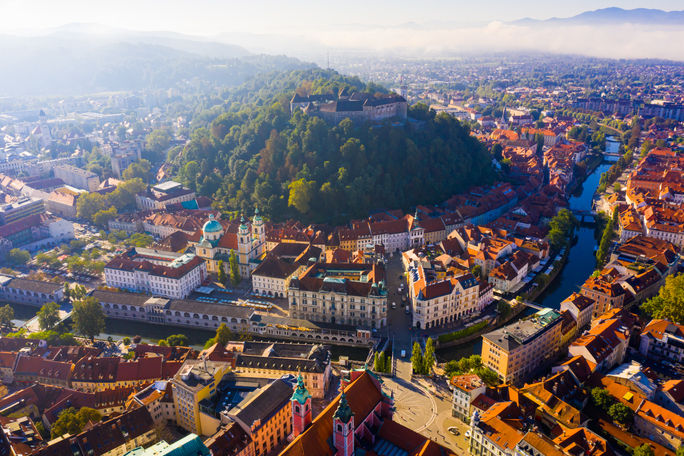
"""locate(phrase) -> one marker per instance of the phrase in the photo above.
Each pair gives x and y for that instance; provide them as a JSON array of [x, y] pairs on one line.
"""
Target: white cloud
[[616, 41]]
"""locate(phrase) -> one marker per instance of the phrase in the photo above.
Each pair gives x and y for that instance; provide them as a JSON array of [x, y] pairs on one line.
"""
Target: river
[[580, 264], [578, 267]]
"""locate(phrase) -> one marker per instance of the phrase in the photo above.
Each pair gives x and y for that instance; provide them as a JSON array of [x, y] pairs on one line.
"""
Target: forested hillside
[[257, 154]]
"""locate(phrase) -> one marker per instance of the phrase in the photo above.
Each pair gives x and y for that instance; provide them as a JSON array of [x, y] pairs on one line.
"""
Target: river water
[[579, 266], [581, 263]]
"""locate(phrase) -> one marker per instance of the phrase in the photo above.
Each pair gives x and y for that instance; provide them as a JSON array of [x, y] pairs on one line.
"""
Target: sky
[[216, 17], [312, 29]]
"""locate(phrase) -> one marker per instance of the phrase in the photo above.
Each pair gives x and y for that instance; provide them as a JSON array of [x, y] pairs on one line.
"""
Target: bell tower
[[258, 231], [343, 428], [301, 408]]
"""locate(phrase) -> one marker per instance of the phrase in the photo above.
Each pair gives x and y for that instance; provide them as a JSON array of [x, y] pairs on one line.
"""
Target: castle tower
[[301, 408], [343, 428]]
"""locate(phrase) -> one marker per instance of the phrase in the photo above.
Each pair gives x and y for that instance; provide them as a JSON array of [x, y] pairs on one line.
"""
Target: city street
[[398, 321]]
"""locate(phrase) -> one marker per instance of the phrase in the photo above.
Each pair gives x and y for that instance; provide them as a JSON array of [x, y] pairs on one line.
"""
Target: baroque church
[[217, 238]]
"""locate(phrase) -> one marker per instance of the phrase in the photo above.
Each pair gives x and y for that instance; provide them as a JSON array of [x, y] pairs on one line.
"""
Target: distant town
[[191, 271]]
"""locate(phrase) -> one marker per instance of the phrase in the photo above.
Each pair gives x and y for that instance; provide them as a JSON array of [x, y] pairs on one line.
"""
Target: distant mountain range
[[177, 41], [613, 16], [86, 58]]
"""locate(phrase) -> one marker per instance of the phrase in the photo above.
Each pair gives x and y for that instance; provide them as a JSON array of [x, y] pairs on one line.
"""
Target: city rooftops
[[19, 203], [167, 186], [262, 404], [524, 331], [196, 374]]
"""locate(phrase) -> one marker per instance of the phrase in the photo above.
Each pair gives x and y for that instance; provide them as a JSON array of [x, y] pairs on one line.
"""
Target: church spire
[[344, 412]]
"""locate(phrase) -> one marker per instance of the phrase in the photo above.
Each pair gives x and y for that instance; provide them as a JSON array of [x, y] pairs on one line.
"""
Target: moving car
[[453, 430], [403, 353]]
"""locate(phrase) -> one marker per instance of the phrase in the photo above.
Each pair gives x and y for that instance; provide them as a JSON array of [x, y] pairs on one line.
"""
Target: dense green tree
[[18, 257], [103, 216], [601, 398], [621, 414], [561, 227], [503, 308], [6, 316], [156, 144], [234, 268], [163, 343], [139, 169], [669, 303], [298, 166], [301, 193], [477, 270], [178, 340], [72, 421], [680, 451], [488, 376], [48, 315], [122, 198], [88, 317], [606, 239], [429, 357], [643, 450], [417, 359], [222, 277], [223, 335]]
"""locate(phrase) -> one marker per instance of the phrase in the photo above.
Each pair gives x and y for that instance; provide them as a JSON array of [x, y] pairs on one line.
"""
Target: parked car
[[467, 434], [454, 430], [403, 353]]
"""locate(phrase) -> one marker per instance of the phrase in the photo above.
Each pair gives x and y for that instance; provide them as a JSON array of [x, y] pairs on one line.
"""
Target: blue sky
[[213, 17]]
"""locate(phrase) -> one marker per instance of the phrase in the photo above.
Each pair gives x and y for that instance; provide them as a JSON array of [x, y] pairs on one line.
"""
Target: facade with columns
[[217, 239]]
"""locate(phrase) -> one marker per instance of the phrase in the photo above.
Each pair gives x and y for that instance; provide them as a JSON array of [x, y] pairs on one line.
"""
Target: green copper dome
[[301, 394], [344, 411], [212, 225]]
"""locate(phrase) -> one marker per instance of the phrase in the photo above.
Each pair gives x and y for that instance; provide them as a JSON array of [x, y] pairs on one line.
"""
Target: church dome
[[212, 225]]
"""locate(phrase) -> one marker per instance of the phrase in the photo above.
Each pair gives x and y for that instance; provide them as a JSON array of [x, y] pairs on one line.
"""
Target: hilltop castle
[[359, 107]]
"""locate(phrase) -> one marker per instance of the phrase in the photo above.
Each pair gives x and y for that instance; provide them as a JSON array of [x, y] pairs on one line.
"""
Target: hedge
[[463, 332]]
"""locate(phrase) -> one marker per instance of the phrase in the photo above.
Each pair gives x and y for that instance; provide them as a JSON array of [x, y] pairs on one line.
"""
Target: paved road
[[399, 323]]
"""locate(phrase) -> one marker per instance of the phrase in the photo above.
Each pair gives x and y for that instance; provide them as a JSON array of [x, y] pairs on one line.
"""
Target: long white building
[[168, 274]]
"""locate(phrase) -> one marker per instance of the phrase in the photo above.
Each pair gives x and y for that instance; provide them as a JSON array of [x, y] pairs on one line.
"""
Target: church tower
[[417, 233], [343, 428], [258, 232], [244, 243], [301, 408]]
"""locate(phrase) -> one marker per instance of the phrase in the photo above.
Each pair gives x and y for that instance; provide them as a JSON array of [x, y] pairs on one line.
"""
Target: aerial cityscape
[[387, 229]]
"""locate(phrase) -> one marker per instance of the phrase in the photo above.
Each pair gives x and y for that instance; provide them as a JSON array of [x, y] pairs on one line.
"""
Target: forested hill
[[296, 166]]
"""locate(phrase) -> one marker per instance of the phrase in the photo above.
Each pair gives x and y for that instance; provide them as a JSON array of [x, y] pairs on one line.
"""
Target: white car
[[394, 305], [467, 434]]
